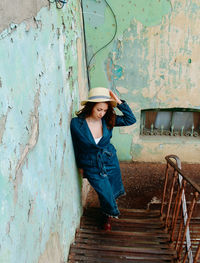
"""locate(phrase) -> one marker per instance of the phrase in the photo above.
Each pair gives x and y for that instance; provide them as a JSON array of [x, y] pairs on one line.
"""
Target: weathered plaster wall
[[153, 62], [19, 10], [42, 65]]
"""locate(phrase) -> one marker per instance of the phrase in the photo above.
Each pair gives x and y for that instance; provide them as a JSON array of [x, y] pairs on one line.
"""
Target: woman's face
[[99, 110]]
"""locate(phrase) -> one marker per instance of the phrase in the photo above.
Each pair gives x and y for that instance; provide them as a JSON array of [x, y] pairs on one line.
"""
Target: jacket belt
[[101, 153]]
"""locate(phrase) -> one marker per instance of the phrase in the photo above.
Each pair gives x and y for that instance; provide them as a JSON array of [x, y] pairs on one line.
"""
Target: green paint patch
[[94, 12], [100, 27], [136, 150], [122, 142], [151, 12]]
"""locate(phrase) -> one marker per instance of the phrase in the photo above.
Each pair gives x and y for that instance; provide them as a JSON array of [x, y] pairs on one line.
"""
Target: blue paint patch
[[162, 76], [194, 9], [117, 72]]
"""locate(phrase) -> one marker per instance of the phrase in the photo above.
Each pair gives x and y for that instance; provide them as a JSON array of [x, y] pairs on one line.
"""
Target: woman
[[95, 155]]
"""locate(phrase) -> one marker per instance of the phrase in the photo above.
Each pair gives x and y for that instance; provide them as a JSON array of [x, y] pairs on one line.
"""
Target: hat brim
[[113, 102]]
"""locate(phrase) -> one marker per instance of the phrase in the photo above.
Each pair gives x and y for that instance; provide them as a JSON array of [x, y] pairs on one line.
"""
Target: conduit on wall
[[109, 40]]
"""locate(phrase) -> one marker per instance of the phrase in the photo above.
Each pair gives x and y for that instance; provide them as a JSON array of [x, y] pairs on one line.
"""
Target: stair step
[[110, 255], [117, 259], [138, 236], [121, 242], [146, 250]]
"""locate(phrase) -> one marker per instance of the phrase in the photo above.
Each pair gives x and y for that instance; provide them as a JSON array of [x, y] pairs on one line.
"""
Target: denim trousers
[[108, 185]]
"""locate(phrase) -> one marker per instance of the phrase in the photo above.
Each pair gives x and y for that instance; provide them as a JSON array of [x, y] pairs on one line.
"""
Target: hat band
[[99, 97]]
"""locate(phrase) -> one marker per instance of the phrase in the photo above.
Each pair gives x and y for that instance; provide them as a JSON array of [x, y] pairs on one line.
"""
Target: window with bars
[[170, 122]]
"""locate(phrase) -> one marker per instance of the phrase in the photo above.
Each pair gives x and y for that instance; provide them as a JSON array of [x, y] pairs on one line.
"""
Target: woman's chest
[[96, 129]]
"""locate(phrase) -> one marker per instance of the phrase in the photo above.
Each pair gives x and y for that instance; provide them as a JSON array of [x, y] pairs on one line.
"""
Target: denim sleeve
[[75, 141], [128, 118]]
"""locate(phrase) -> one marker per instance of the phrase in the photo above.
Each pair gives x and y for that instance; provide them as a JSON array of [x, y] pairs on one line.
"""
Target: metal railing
[[170, 132], [179, 212]]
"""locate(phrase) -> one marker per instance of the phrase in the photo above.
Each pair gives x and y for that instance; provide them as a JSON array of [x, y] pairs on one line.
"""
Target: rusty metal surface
[[188, 179], [180, 212], [137, 236]]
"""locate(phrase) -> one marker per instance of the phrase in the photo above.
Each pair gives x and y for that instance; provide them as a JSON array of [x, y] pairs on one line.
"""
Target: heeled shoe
[[107, 224]]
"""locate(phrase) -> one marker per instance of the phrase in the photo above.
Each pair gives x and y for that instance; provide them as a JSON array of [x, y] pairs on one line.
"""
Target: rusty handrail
[[190, 181], [174, 211]]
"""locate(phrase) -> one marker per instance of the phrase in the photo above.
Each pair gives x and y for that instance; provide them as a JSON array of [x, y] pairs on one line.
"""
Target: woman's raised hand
[[114, 97]]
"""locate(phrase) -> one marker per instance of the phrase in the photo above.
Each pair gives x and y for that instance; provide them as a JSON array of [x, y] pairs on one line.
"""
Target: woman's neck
[[93, 120]]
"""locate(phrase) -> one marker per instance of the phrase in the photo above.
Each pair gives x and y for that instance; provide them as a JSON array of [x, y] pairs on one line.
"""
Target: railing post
[[177, 210], [175, 206], [179, 234], [187, 224], [164, 191], [197, 254], [170, 198], [185, 257]]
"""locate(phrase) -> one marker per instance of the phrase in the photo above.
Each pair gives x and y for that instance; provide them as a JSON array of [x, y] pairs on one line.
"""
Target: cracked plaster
[[43, 60], [17, 11], [153, 62]]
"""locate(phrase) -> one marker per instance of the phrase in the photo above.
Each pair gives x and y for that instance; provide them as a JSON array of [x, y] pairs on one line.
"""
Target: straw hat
[[99, 94]]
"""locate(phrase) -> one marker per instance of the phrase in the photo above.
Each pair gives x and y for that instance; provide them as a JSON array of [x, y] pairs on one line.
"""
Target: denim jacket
[[87, 152], [100, 160]]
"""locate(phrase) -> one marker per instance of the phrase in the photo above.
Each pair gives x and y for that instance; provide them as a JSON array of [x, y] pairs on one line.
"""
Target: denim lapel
[[85, 131], [105, 133]]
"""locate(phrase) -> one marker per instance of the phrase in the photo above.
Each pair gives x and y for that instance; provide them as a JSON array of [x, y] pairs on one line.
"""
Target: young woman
[[95, 155]]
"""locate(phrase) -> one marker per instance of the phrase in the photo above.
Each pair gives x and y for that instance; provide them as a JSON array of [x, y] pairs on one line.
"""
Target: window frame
[[145, 130]]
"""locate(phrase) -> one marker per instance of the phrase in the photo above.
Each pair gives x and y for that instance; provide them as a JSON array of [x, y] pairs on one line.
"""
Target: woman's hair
[[110, 115]]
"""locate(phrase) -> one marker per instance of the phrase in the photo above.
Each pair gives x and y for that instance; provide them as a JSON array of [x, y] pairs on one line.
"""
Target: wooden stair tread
[[138, 236]]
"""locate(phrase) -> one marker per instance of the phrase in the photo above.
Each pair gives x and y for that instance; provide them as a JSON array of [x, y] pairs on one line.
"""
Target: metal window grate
[[170, 122]]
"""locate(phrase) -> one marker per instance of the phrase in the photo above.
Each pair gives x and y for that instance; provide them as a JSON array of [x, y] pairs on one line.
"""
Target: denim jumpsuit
[[99, 161]]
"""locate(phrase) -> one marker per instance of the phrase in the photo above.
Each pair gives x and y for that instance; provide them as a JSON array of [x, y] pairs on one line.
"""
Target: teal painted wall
[[153, 62], [41, 68]]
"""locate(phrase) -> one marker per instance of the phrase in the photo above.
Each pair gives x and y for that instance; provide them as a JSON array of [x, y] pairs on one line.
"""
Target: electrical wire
[[59, 3], [111, 38]]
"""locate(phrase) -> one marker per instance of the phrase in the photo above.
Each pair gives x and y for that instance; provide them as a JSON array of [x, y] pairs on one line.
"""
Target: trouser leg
[[105, 193]]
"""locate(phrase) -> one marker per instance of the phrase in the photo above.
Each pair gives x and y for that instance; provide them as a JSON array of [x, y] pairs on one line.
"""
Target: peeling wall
[[42, 62], [153, 62], [16, 11]]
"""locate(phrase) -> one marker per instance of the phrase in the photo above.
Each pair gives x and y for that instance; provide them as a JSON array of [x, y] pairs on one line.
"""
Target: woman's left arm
[[128, 118]]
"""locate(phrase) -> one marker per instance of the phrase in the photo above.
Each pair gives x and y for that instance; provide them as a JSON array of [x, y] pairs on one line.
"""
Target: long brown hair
[[109, 117]]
